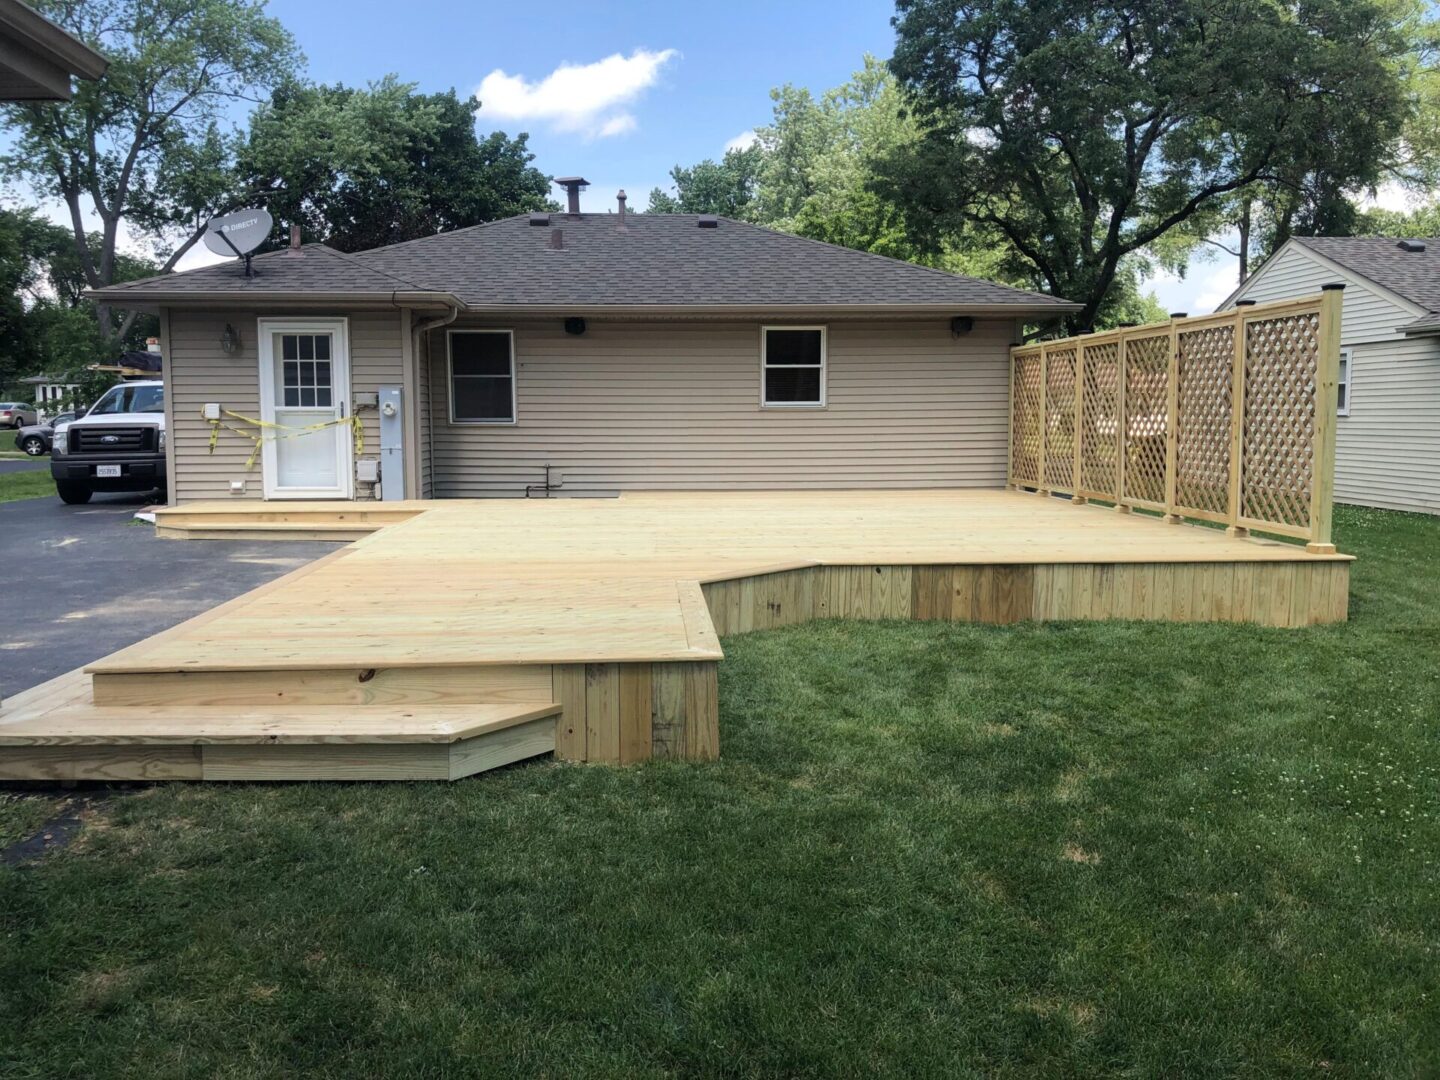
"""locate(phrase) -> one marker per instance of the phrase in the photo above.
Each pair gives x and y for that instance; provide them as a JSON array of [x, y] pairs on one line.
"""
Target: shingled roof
[[651, 262], [1411, 275], [313, 272]]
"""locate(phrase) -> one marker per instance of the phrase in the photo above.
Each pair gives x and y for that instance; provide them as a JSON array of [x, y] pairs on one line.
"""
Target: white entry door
[[305, 380]]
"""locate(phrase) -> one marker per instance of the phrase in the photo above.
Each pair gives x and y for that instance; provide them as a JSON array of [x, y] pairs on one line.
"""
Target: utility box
[[392, 444]]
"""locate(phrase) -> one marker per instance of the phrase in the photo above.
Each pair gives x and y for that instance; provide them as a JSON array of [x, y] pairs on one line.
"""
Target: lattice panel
[[1025, 420], [1060, 418], [1147, 374], [1100, 420], [1202, 424], [1282, 357]]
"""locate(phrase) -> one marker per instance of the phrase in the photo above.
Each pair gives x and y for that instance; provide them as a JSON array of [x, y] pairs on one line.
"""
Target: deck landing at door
[[612, 609]]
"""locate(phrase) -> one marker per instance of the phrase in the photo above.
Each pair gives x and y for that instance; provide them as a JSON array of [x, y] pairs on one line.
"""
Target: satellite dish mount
[[239, 234]]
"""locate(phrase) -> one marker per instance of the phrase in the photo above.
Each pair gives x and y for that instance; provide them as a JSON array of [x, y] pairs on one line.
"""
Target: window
[[130, 399], [482, 377], [305, 371], [1342, 389], [792, 362]]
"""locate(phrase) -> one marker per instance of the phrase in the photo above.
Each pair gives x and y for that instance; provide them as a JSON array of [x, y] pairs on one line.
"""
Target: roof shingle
[[1412, 275], [651, 261]]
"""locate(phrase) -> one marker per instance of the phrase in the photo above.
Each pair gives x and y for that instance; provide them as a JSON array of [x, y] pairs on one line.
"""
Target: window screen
[[794, 366], [482, 377]]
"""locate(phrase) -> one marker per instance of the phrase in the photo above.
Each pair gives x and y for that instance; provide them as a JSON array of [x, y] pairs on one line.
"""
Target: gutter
[[64, 48], [241, 297]]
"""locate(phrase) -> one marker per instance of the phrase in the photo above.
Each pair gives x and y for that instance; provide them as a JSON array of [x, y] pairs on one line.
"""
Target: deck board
[[613, 581]]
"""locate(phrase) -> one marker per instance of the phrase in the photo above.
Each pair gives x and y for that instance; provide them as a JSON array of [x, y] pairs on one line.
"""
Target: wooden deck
[[608, 614]]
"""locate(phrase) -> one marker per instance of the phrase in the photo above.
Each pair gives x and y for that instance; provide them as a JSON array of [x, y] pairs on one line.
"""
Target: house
[[37, 58], [583, 355], [1388, 427], [53, 393]]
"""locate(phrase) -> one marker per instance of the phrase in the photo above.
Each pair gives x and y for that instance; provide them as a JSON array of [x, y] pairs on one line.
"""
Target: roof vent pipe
[[620, 201], [573, 185], [294, 248], [557, 240]]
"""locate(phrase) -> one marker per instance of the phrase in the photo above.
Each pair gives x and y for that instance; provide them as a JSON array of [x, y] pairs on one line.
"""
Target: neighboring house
[[52, 392], [37, 58], [641, 351], [1388, 432]]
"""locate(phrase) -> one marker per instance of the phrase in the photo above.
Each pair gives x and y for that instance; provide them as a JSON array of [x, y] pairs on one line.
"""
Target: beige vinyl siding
[[426, 389], [1367, 313], [1387, 450], [201, 372], [676, 405]]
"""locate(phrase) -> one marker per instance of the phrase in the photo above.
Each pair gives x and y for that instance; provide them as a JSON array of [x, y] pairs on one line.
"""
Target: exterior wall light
[[230, 340]]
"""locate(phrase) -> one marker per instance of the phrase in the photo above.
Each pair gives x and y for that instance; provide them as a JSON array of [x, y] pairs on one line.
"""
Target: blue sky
[[682, 82], [620, 93]]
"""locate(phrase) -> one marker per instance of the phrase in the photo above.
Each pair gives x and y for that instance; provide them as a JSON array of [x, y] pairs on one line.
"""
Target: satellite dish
[[239, 233]]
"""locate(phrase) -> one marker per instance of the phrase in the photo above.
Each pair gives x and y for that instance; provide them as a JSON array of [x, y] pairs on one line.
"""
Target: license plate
[[107, 470]]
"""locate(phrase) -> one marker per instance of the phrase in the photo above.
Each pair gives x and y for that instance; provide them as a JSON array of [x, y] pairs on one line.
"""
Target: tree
[[726, 187], [141, 149], [360, 168], [46, 325], [1086, 134]]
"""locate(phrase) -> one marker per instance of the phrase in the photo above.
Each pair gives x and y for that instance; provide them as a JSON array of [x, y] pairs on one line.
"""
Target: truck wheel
[[72, 493]]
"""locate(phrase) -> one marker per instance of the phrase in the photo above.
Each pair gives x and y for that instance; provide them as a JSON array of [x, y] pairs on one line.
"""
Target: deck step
[[78, 740], [262, 530]]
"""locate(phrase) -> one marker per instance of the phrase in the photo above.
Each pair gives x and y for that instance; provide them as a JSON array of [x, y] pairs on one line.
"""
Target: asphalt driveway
[[79, 582]]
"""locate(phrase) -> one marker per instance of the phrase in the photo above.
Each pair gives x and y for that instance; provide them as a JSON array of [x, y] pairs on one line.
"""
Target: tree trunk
[[1244, 224]]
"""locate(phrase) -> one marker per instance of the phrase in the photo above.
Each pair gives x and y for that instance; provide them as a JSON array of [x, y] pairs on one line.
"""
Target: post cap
[[1333, 286]]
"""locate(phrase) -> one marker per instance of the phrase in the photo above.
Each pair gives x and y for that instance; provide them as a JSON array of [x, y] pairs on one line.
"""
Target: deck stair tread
[[77, 723]]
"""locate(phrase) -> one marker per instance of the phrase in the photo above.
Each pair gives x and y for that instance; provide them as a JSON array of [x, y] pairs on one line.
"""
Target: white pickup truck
[[119, 445]]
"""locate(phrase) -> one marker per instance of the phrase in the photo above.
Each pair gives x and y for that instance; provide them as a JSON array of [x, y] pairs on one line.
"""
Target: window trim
[[1348, 356], [450, 377], [765, 366]]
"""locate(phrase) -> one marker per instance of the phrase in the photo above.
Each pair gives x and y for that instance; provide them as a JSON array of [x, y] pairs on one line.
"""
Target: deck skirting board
[[1281, 594]]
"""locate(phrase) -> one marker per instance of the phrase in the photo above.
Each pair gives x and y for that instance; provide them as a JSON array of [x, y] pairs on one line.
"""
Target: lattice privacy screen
[[1225, 417]]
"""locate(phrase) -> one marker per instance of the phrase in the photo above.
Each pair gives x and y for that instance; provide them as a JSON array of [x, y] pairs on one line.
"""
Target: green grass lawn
[[26, 485], [929, 850]]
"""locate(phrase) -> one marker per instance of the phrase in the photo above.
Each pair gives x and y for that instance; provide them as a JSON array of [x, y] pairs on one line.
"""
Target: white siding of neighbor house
[[676, 405], [200, 372], [1387, 450]]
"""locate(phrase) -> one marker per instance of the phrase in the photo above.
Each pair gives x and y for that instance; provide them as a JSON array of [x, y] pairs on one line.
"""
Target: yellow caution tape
[[282, 431]]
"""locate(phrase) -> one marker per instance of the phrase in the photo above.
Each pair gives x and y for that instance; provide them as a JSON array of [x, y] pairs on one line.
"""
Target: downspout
[[419, 329]]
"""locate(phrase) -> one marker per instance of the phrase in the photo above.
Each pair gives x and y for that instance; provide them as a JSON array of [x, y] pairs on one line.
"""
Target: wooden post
[[1010, 484], [1327, 379], [1172, 413], [1079, 429], [1237, 424], [1040, 488], [1122, 423]]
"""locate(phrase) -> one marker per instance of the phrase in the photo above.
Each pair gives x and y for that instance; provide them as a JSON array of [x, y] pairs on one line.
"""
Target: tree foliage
[[1085, 134], [362, 167], [813, 171], [141, 148], [725, 187], [46, 326]]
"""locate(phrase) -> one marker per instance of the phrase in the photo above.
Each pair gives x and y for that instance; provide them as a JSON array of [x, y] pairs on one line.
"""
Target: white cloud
[[1202, 290], [743, 141], [618, 124], [583, 98]]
